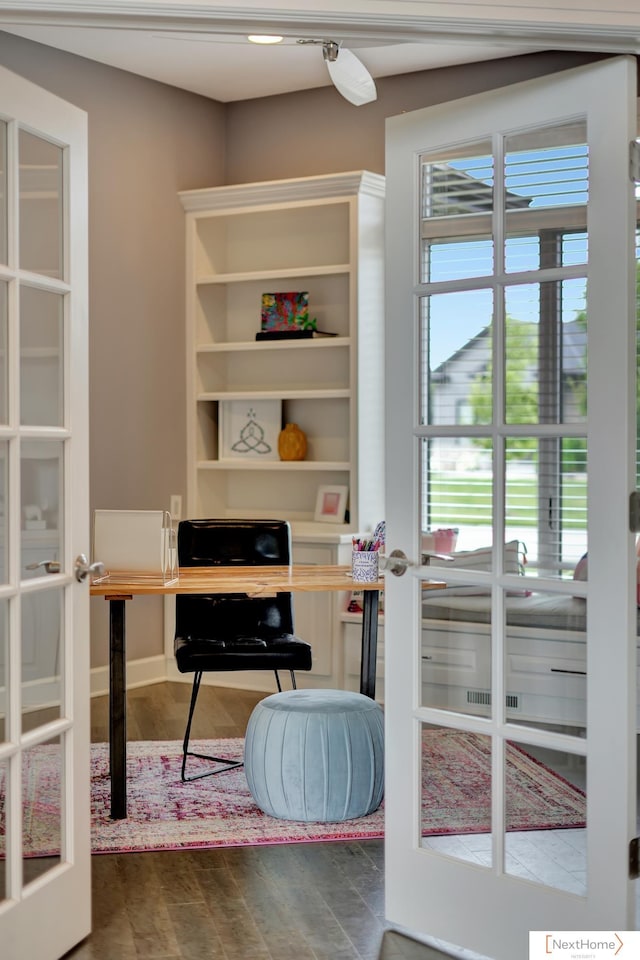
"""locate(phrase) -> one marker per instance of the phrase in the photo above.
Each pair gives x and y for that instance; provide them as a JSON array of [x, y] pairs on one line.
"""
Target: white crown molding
[[577, 24], [283, 191]]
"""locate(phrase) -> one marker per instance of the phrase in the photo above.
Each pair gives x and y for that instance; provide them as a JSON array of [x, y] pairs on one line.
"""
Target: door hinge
[[634, 848], [634, 511], [634, 161]]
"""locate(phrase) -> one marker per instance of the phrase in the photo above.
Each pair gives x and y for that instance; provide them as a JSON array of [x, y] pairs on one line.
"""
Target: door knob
[[82, 568], [49, 566], [396, 563]]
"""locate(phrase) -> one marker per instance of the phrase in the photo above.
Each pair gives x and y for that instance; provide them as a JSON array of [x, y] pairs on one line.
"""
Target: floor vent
[[483, 698], [479, 697]]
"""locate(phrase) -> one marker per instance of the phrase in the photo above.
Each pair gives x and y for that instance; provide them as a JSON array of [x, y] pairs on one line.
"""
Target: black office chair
[[234, 631]]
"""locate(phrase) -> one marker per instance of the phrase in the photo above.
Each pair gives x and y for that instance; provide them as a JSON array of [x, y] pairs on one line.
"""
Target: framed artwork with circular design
[[248, 429]]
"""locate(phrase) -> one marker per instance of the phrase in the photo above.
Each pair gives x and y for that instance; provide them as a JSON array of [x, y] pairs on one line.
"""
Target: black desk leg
[[369, 643], [117, 710]]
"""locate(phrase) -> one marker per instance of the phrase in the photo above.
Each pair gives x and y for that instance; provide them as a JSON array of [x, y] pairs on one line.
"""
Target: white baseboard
[[41, 694], [140, 673], [262, 681]]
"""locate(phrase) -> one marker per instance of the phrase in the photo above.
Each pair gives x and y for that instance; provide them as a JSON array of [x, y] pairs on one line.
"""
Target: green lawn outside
[[467, 499]]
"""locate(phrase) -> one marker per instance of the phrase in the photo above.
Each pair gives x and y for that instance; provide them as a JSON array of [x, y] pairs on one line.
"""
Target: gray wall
[[318, 131], [147, 141]]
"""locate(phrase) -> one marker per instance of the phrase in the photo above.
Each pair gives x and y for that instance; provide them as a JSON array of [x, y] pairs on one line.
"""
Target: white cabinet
[[546, 669], [323, 236], [545, 679]]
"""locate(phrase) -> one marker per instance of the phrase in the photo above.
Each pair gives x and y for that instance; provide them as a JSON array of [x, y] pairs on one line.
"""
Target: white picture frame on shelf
[[248, 429], [331, 504]]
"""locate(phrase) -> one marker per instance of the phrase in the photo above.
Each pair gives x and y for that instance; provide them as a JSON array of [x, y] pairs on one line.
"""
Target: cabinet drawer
[[458, 663], [555, 673]]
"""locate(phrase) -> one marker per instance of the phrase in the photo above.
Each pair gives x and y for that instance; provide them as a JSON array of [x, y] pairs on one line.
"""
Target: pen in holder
[[364, 561]]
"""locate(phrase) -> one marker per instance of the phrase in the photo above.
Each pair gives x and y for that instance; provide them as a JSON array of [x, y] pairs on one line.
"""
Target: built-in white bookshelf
[[325, 236]]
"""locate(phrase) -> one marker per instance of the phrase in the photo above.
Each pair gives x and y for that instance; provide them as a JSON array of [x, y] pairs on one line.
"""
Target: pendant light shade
[[348, 74]]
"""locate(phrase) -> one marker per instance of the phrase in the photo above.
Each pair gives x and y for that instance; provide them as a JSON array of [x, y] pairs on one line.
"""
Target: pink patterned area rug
[[166, 814]]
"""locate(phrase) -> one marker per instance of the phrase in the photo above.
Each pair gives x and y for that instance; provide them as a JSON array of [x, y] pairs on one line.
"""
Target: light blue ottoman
[[316, 755]]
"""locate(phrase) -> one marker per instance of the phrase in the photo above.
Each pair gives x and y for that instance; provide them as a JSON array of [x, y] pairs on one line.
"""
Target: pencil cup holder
[[364, 566]]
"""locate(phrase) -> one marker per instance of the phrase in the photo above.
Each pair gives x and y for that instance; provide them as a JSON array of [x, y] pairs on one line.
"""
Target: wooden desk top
[[254, 581]]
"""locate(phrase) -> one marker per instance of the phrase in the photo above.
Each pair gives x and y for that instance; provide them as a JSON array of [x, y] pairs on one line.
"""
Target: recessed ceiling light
[[264, 38]]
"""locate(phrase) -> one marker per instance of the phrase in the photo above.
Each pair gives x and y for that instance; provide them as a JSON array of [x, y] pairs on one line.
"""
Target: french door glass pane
[[41, 657], [548, 171], [545, 663], [546, 502], [456, 491], [637, 251], [556, 855], [546, 352], [41, 356], [41, 500], [4, 863], [4, 518], [456, 794], [43, 777], [4, 664], [455, 347], [40, 205], [457, 257], [3, 194], [548, 166], [4, 359], [458, 181], [456, 647]]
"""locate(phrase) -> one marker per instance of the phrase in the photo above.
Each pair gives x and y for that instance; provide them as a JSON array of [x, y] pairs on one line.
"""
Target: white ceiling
[[201, 45], [226, 67]]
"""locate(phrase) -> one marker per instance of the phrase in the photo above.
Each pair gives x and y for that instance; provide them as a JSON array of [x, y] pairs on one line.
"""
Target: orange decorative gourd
[[292, 443]]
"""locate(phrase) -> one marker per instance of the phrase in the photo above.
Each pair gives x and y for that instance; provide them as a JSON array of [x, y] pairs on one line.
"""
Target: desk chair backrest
[[230, 543], [213, 543]]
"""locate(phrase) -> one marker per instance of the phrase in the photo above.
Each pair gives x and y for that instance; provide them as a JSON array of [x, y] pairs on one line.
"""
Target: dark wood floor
[[312, 901]]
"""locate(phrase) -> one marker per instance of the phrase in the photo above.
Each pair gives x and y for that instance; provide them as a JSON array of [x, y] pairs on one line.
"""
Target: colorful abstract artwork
[[285, 311]]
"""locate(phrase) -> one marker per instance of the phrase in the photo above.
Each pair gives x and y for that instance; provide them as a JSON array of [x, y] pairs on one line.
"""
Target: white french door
[[44, 611], [511, 400]]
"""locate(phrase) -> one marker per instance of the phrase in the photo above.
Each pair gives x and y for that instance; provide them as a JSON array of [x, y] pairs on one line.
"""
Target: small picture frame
[[249, 429], [331, 504], [284, 311]]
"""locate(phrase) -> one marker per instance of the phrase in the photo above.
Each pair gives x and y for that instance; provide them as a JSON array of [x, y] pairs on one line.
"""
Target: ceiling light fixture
[[264, 38], [348, 74]]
